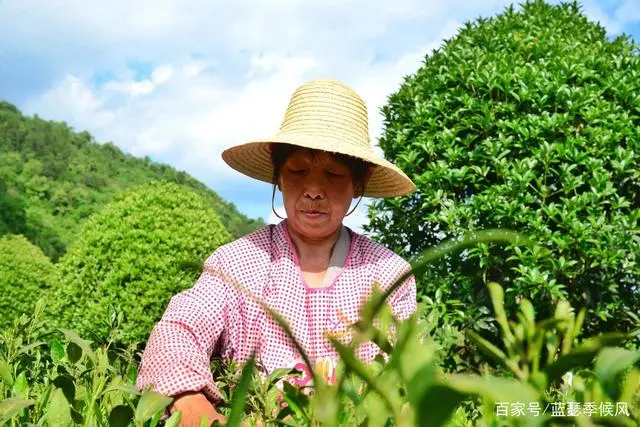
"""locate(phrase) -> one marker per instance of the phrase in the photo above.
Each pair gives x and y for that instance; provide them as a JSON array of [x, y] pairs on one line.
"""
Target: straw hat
[[326, 115]]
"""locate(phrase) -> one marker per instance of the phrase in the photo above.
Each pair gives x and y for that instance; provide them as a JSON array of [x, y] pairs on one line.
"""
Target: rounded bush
[[147, 245], [26, 274], [529, 121]]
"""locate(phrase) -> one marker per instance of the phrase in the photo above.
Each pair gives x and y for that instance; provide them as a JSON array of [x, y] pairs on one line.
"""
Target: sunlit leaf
[[240, 394], [150, 403], [12, 406]]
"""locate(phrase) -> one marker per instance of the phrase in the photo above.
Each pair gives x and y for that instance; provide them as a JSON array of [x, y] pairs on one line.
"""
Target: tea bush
[[60, 379], [528, 120], [25, 272], [132, 257]]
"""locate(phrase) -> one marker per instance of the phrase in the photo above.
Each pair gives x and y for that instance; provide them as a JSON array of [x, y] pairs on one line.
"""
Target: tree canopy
[[140, 250], [529, 120], [25, 274], [53, 178]]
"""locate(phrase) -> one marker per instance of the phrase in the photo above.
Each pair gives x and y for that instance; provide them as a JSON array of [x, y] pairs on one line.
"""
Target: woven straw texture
[[327, 115]]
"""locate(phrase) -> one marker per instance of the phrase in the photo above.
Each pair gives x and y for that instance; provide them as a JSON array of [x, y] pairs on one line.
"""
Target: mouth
[[310, 213]]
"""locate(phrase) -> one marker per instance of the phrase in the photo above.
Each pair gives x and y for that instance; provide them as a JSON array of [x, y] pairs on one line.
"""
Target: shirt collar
[[281, 240]]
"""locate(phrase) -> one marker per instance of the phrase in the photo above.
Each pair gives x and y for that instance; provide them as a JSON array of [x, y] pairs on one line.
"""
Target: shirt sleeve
[[178, 352]]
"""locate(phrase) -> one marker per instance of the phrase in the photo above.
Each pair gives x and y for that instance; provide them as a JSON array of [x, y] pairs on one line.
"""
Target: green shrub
[[550, 377], [143, 248], [58, 379], [62, 379], [25, 275], [530, 121]]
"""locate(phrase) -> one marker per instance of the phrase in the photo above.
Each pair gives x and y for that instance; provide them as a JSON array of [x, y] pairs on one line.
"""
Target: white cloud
[[628, 11], [614, 15], [80, 105], [378, 82], [595, 13]]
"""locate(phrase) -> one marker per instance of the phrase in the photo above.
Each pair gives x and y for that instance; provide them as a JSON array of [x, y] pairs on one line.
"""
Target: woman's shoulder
[[371, 252], [252, 246], [381, 263]]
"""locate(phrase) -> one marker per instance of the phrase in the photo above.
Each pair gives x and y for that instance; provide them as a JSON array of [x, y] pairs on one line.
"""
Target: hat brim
[[254, 159]]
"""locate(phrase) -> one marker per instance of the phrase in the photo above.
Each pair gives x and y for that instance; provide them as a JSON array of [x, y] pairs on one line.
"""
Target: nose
[[314, 192], [314, 188]]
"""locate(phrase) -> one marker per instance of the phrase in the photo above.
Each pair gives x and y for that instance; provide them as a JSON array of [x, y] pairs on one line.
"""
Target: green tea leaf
[[414, 354], [150, 403], [5, 373], [27, 348], [497, 299], [43, 399], [377, 414], [39, 308], [67, 386], [496, 389], [174, 420], [74, 352], [21, 387], [349, 358], [132, 374], [59, 412], [564, 311], [583, 355], [240, 394], [57, 350], [421, 383], [121, 387], [82, 343], [437, 404], [427, 257], [577, 325], [278, 374], [79, 419], [528, 312], [12, 406], [630, 386], [326, 405], [120, 416], [610, 363], [102, 363], [291, 395], [488, 348]]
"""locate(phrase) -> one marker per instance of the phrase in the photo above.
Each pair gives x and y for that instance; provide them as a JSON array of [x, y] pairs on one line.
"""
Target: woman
[[309, 267]]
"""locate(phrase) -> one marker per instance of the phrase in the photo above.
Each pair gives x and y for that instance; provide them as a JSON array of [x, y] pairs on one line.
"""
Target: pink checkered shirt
[[213, 317]]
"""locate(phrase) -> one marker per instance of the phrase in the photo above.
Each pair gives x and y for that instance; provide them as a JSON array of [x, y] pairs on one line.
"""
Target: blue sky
[[181, 80]]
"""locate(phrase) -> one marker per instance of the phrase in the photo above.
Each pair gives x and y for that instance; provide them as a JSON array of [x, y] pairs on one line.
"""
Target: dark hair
[[281, 152]]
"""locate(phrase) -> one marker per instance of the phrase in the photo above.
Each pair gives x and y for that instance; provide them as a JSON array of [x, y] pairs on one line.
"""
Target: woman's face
[[317, 191]]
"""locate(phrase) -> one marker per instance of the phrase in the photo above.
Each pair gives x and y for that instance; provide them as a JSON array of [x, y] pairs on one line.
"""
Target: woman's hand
[[193, 406]]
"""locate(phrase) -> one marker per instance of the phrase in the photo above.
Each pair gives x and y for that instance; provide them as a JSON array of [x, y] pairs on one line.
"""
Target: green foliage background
[[144, 247], [53, 178], [25, 274], [530, 121]]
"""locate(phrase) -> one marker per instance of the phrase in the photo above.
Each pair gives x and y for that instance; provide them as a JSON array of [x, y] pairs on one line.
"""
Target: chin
[[314, 229]]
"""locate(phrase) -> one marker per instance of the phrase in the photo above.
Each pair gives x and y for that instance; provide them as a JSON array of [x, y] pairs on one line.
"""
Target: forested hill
[[52, 178]]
